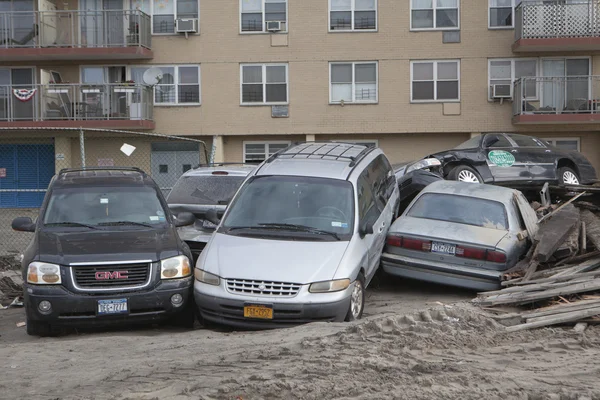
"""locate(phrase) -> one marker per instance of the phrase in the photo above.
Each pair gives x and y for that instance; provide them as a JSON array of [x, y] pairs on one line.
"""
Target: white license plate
[[443, 248], [117, 306]]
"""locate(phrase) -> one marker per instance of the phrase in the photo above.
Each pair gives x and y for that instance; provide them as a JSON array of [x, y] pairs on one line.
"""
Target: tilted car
[[459, 234], [512, 159], [105, 250], [202, 189], [301, 240], [414, 177]]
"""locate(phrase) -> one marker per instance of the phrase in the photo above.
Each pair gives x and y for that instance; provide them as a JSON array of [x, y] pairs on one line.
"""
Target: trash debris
[[17, 302], [21, 324]]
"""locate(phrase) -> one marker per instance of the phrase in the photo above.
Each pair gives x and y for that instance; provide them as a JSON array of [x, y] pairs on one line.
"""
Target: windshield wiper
[[300, 228], [125, 223], [71, 224]]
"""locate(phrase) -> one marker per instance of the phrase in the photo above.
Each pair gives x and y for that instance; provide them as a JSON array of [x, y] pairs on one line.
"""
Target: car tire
[[464, 173], [566, 176], [357, 300], [42, 329]]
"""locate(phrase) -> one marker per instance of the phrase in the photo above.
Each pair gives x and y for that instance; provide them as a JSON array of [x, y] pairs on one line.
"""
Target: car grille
[[263, 288], [110, 276]]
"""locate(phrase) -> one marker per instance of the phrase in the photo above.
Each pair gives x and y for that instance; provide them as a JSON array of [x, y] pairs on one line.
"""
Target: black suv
[[105, 251]]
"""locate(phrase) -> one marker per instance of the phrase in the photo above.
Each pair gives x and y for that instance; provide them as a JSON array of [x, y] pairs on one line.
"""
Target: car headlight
[[329, 286], [175, 267], [206, 277], [40, 273], [422, 164]]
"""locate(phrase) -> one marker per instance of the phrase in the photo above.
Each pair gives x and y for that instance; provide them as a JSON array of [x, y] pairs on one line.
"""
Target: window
[[367, 209], [501, 143], [179, 84], [564, 143], [501, 13], [254, 14], [257, 152], [525, 141], [506, 71], [352, 15], [353, 82], [435, 81], [264, 83], [434, 14], [165, 12]]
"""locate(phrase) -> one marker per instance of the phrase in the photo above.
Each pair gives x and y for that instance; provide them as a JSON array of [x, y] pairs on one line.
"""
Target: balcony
[[110, 106], [557, 100], [75, 35], [557, 26]]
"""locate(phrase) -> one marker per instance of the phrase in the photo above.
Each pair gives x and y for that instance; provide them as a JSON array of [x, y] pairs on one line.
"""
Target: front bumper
[[445, 274], [74, 308]]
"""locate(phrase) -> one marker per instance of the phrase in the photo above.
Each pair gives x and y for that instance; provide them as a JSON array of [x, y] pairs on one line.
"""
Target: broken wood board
[[570, 246], [555, 320], [579, 258], [539, 286], [562, 308], [553, 233], [592, 227], [561, 208], [556, 279], [586, 266]]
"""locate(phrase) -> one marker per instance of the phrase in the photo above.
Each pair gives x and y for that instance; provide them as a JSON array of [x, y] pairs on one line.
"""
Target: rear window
[[209, 190], [472, 143], [461, 210]]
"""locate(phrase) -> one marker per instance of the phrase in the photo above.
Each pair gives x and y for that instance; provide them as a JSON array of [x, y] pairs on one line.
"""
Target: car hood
[[448, 231], [237, 257], [107, 245]]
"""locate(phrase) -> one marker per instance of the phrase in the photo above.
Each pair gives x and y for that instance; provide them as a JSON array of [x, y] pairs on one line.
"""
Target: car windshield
[[472, 143], [208, 190], [460, 209], [309, 205], [97, 206]]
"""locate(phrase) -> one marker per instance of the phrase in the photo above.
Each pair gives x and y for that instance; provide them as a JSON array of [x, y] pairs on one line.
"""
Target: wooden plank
[[579, 258], [563, 206], [555, 320], [562, 310], [586, 266], [537, 287], [555, 231], [578, 305], [592, 227], [570, 246], [563, 278], [582, 239]]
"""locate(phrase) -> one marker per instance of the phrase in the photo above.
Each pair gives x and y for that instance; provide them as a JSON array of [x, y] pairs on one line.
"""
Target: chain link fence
[[29, 160]]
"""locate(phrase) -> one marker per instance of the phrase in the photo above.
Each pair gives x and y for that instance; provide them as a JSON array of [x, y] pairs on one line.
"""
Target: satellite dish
[[152, 76]]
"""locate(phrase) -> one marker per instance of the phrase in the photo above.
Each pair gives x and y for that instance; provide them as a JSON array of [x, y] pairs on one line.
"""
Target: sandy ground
[[416, 342]]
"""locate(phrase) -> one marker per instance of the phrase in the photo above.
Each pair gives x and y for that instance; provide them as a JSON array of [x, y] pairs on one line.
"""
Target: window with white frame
[[435, 80], [165, 12], [564, 143], [178, 84], [255, 14], [434, 14], [352, 15], [264, 83], [353, 82], [506, 71], [501, 13], [257, 152]]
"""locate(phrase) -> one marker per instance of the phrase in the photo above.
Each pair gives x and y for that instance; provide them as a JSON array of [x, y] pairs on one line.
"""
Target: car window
[[367, 208], [525, 141], [472, 143], [502, 142], [377, 176], [460, 209], [209, 190], [104, 205]]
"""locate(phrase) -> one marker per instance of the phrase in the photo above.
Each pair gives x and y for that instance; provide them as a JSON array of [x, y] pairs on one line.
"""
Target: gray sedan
[[460, 234]]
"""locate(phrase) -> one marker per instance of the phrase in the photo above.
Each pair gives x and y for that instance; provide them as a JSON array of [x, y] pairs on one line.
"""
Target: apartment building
[[248, 77]]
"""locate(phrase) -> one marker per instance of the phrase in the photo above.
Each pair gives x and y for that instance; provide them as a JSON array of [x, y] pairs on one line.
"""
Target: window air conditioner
[[273, 26], [501, 92], [186, 25]]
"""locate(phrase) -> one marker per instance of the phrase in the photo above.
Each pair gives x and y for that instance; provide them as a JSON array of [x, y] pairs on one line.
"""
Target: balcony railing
[[76, 102], [85, 29], [565, 95]]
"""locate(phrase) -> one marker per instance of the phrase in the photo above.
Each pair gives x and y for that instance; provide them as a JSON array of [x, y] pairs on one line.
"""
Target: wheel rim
[[467, 176], [356, 300], [570, 178]]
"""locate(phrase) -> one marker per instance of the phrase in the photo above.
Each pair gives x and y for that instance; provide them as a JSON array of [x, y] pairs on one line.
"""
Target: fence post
[[82, 147]]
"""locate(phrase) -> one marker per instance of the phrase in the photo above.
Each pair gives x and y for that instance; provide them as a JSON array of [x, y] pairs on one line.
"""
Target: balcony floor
[[556, 119], [99, 124], [556, 44], [75, 53]]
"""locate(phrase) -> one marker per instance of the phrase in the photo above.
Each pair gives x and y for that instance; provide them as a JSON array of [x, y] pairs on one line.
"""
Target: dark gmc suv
[[105, 251]]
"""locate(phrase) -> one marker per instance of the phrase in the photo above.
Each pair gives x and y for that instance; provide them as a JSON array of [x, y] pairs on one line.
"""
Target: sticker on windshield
[[103, 201], [501, 158], [153, 218], [160, 213], [339, 224]]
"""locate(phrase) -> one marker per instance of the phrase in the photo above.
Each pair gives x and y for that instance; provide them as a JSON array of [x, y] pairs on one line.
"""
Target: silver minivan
[[301, 239]]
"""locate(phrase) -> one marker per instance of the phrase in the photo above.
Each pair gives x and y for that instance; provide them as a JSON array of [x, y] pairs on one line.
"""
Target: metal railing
[[73, 28], [556, 95], [535, 19], [64, 101]]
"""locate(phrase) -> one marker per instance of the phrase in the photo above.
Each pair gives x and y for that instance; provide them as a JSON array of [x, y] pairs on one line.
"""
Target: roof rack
[[220, 164], [83, 169], [353, 159]]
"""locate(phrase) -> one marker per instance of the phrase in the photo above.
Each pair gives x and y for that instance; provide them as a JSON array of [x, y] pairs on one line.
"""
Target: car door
[[504, 159], [369, 211], [541, 159]]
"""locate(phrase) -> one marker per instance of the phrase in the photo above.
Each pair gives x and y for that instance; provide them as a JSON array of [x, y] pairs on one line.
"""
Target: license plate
[[258, 311], [117, 306], [443, 248]]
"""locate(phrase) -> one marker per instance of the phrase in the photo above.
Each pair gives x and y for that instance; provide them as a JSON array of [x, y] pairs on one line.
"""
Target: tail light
[[480, 254], [496, 256], [408, 243], [395, 241]]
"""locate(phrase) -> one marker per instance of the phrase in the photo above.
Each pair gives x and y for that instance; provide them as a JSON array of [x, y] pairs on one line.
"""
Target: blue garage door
[[25, 172]]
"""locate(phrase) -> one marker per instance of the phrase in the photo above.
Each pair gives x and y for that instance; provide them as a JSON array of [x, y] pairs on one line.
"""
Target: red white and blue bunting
[[24, 94]]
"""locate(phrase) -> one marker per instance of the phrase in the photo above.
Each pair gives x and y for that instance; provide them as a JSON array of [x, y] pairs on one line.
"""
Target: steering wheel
[[333, 212]]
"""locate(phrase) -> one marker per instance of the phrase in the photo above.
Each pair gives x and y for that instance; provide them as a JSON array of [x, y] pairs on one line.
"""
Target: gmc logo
[[105, 275]]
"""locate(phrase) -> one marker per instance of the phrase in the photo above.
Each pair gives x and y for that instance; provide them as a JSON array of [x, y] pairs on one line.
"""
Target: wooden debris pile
[[558, 282]]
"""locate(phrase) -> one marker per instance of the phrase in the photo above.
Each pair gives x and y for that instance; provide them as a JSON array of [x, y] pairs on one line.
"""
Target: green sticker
[[501, 158]]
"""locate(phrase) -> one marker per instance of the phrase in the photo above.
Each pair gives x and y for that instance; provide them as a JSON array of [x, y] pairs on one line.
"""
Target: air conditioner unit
[[501, 92], [186, 25], [273, 26]]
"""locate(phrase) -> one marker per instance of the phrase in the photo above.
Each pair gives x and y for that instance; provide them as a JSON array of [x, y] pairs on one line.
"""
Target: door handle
[[380, 229], [513, 151], [548, 151]]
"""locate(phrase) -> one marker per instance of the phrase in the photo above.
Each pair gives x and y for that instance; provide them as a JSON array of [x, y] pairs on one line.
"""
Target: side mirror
[[366, 228], [211, 216], [490, 140], [23, 224], [184, 219]]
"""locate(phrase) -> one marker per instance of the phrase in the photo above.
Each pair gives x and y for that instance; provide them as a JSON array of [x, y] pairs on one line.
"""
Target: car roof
[[99, 177], [235, 170], [333, 160], [481, 191]]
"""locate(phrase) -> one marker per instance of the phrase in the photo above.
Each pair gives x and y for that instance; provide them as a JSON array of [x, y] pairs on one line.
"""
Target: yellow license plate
[[257, 311]]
